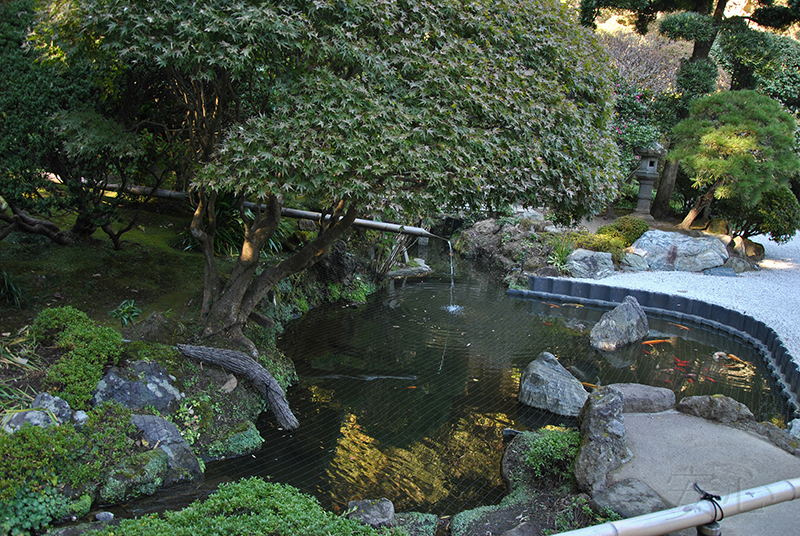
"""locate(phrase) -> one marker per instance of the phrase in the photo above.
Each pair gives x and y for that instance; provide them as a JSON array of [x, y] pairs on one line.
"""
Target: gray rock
[[53, 404], [523, 529], [546, 384], [144, 474], [602, 427], [738, 265], [623, 325], [629, 498], [31, 416], [721, 271], [143, 384], [104, 516], [675, 251], [794, 428], [633, 262], [638, 398], [747, 249], [79, 418], [590, 264], [719, 408], [780, 438], [375, 513], [183, 464]]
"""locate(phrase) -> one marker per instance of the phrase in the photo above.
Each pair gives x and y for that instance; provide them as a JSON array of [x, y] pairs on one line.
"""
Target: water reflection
[[402, 399]]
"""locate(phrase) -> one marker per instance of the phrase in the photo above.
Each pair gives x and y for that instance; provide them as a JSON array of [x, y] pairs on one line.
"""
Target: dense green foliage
[[249, 506], [390, 109], [553, 452], [777, 215], [737, 144], [629, 228], [30, 93], [36, 461], [634, 122], [482, 104], [87, 348]]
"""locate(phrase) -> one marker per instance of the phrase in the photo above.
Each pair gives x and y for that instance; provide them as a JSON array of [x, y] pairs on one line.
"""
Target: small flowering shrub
[[634, 125]]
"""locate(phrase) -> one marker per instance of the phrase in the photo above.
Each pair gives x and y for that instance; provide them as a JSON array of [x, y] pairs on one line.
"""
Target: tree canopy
[[357, 106], [736, 144]]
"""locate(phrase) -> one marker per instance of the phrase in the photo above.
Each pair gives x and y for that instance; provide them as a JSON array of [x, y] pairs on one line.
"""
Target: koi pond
[[406, 397]]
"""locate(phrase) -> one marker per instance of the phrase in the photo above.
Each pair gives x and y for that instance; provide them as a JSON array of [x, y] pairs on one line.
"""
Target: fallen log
[[245, 365]]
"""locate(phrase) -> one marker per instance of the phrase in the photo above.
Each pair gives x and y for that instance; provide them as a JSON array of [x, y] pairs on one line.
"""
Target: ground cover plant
[[250, 506]]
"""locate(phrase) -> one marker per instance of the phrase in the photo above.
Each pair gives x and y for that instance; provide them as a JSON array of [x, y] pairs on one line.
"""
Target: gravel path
[[771, 294]]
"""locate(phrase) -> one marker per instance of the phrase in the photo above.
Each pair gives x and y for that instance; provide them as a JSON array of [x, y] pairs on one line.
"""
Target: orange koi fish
[[657, 341], [551, 305], [587, 384], [678, 326]]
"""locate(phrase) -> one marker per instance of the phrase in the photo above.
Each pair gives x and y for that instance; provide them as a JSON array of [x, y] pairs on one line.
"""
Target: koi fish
[[678, 326], [547, 323], [647, 352], [574, 304], [551, 305], [657, 341], [734, 358], [689, 380], [587, 384], [681, 363], [712, 380]]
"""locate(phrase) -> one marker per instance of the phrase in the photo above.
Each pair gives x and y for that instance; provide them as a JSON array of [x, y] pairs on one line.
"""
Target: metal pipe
[[692, 515], [368, 224], [295, 213]]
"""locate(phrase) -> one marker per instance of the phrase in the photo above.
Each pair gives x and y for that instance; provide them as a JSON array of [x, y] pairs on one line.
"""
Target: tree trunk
[[666, 186], [242, 364], [231, 308], [700, 205]]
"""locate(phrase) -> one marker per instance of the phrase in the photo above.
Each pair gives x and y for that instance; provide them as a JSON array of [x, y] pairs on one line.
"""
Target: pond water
[[407, 396]]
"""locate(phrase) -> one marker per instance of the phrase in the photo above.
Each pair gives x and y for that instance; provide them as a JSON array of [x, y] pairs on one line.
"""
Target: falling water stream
[[407, 395]]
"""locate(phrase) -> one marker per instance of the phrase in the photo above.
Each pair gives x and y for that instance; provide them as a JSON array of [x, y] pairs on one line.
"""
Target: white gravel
[[771, 295]]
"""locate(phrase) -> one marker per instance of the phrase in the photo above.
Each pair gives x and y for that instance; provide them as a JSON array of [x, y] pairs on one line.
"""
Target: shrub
[[78, 371], [611, 243], [55, 319], [553, 453], [88, 348], [629, 228], [250, 506], [37, 459], [778, 214], [30, 510]]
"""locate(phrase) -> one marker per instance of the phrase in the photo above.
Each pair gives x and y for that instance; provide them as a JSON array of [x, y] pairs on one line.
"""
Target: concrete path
[[672, 451]]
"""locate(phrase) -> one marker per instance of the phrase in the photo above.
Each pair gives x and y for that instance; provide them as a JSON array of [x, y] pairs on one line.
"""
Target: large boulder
[[546, 384], [181, 461], [663, 250], [638, 398], [747, 249], [719, 408], [629, 498], [623, 325], [142, 475], [141, 385], [375, 513], [590, 264], [602, 427]]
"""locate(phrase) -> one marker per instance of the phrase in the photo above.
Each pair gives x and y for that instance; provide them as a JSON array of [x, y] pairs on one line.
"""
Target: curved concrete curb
[[683, 310]]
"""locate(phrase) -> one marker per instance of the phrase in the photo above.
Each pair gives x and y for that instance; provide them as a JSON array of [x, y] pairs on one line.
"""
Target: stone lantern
[[647, 175]]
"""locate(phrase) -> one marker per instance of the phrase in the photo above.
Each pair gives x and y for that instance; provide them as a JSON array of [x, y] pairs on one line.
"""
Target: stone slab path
[[672, 451]]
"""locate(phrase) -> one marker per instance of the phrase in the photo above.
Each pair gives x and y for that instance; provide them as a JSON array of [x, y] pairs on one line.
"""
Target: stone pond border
[[682, 310]]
